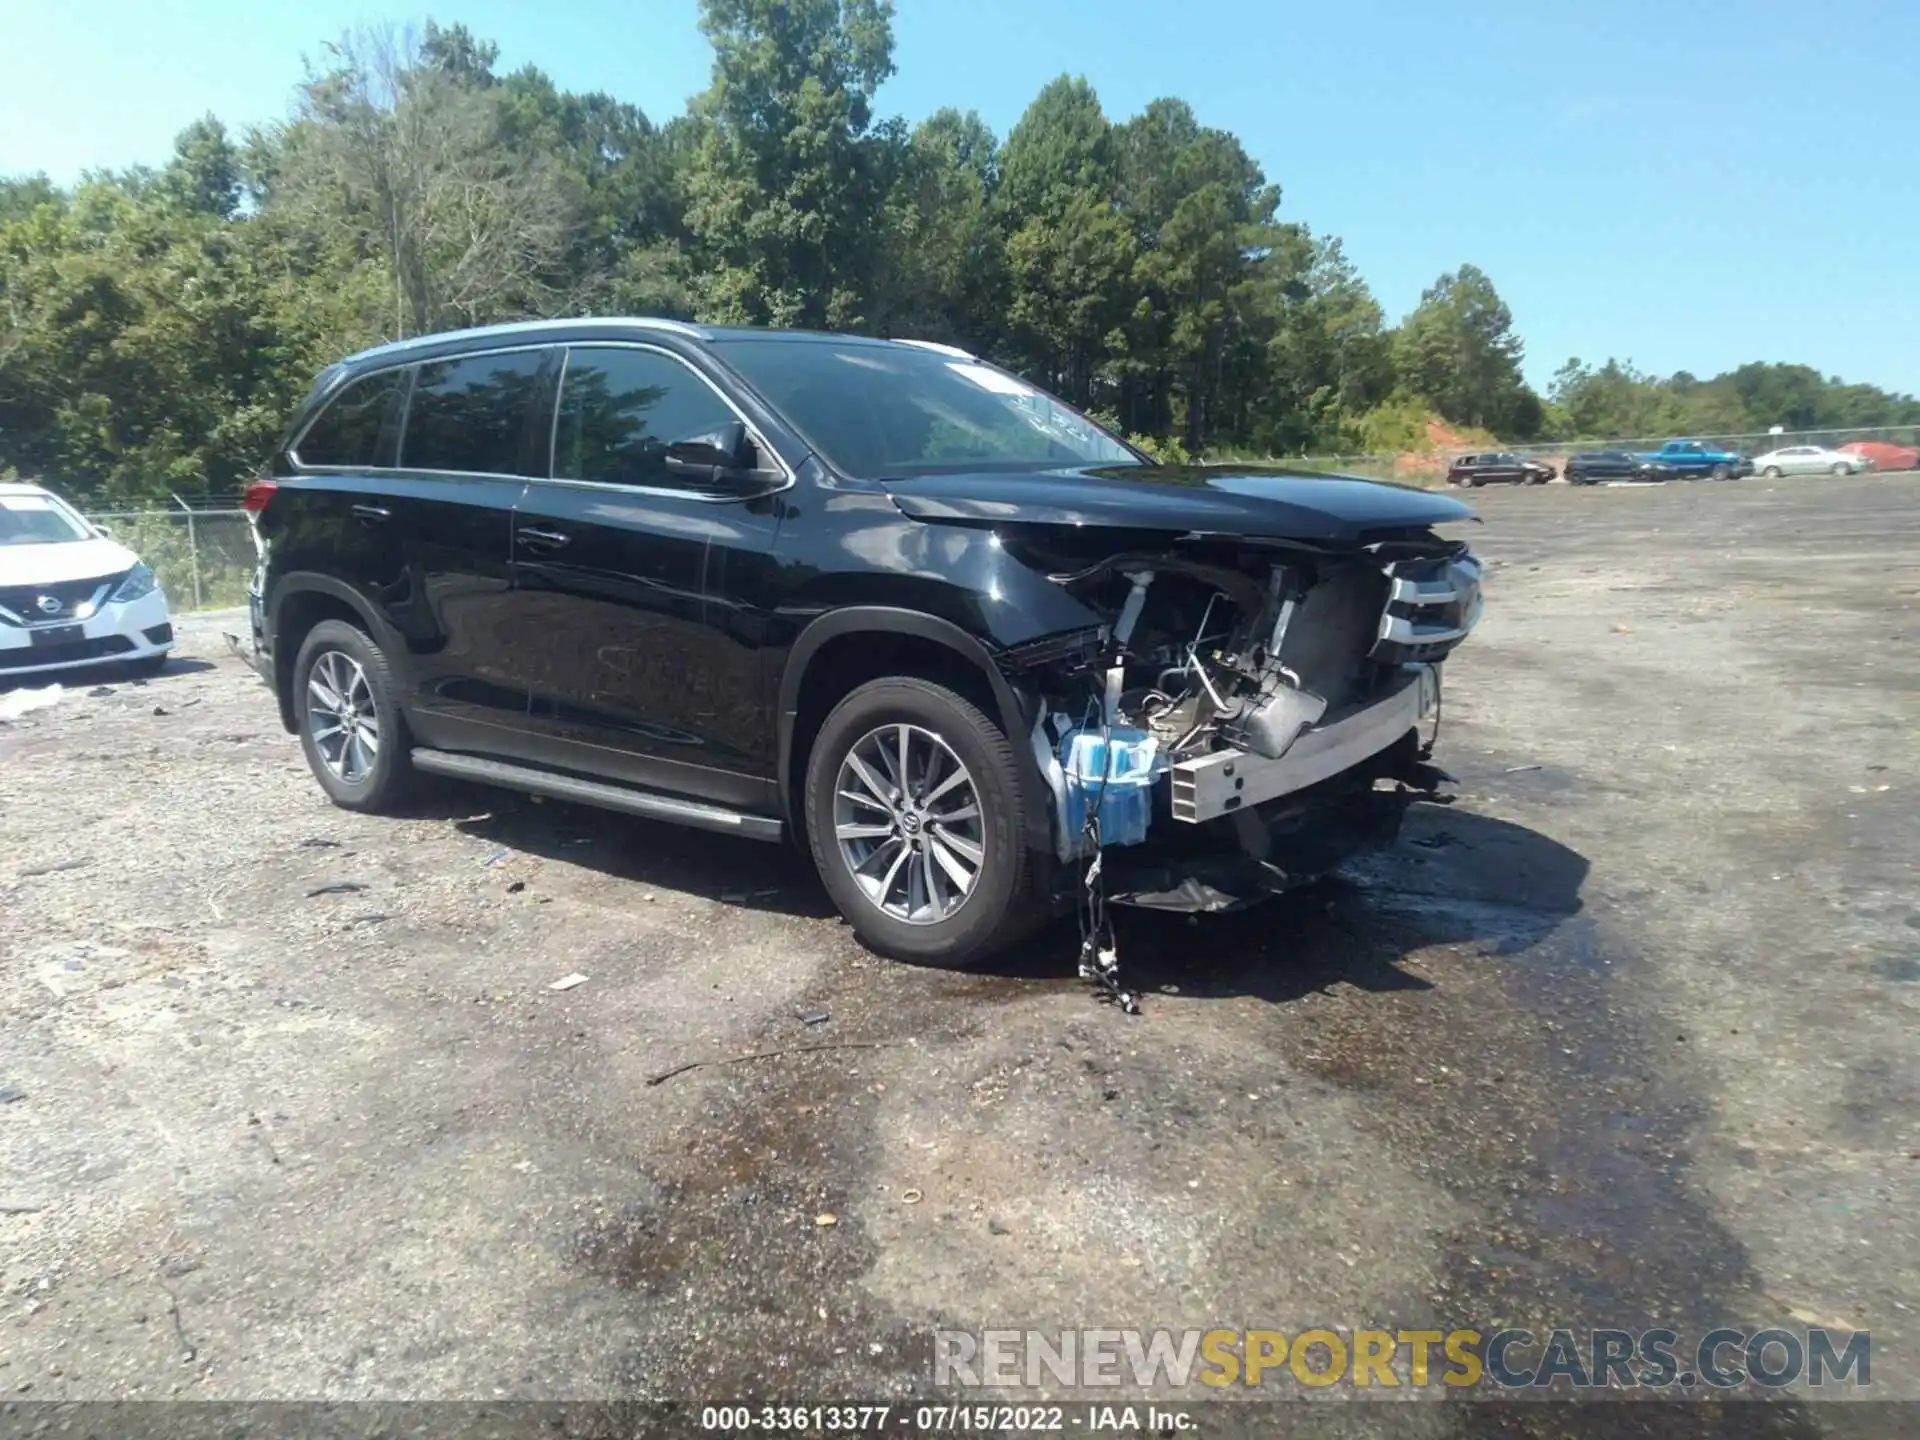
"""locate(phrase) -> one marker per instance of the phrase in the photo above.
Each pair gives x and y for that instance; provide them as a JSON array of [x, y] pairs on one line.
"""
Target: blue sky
[[1686, 183]]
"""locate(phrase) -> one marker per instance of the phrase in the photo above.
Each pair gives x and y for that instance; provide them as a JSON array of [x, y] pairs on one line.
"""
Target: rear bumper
[[135, 630]]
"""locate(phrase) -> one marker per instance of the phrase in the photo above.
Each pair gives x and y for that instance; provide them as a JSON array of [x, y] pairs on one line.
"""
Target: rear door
[[637, 593], [471, 436]]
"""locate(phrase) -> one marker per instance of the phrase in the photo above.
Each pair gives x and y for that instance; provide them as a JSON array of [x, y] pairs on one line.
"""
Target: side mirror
[[106, 530], [721, 459]]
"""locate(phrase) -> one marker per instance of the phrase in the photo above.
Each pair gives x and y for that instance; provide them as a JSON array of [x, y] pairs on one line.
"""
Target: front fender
[[1014, 716]]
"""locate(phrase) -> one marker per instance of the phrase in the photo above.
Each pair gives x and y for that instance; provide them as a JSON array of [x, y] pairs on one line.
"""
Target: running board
[[594, 792]]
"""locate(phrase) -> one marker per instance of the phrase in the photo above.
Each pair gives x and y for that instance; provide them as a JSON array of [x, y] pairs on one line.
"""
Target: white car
[[70, 596], [1810, 460]]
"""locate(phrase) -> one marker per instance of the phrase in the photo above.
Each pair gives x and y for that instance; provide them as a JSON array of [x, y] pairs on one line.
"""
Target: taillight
[[257, 496]]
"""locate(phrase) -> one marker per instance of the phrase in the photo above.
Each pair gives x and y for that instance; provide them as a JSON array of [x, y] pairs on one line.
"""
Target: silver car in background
[[1810, 460]]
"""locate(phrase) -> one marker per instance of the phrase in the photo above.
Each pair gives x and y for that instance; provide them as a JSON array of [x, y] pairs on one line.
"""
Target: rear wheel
[[346, 712], [914, 818], [1843, 469]]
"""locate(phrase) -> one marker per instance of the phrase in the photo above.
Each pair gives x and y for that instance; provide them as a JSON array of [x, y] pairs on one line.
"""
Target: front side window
[[884, 411], [357, 427], [621, 408], [470, 414]]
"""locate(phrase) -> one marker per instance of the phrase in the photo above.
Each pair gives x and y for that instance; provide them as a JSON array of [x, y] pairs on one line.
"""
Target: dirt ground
[[1623, 1038]]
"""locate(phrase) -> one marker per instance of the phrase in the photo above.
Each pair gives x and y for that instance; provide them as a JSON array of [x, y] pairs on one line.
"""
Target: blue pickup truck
[[1692, 459]]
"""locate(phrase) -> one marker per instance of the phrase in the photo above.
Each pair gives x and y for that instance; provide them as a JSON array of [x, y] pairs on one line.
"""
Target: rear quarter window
[[358, 426]]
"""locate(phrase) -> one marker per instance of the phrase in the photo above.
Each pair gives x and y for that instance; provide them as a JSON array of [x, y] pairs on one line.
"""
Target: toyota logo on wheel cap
[[49, 604]]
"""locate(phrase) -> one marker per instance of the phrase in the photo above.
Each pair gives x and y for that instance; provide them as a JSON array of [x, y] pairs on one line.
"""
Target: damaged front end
[[1249, 714]]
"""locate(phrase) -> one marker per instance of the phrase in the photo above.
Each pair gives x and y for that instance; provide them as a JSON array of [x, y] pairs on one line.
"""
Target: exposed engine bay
[[1237, 714]]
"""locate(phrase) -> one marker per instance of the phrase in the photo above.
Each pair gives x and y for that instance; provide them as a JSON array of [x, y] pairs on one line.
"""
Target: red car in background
[[1885, 456]]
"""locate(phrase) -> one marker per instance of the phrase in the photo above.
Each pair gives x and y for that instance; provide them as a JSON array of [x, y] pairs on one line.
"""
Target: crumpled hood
[[1191, 499], [69, 560]]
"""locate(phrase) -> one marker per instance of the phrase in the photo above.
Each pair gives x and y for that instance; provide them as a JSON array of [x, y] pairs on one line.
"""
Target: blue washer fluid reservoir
[[1112, 771]]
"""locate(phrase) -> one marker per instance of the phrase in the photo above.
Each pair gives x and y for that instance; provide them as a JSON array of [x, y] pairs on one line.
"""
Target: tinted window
[[357, 427], [470, 414], [620, 409], [879, 411]]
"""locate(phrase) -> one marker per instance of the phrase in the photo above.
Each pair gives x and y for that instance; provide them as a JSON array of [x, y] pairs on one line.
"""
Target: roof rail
[[935, 345], [524, 327]]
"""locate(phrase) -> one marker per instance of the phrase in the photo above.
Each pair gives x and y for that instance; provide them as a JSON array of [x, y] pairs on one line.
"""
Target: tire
[[145, 668], [1772, 472], [1843, 470], [1720, 472], [999, 904], [374, 782]]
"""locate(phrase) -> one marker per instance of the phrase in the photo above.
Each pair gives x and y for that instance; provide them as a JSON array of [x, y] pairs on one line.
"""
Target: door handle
[[541, 539], [371, 514]]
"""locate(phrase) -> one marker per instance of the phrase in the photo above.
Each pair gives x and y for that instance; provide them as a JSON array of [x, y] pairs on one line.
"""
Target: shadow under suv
[[879, 597]]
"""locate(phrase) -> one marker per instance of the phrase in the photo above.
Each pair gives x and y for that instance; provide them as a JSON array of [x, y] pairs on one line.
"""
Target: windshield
[[881, 412], [38, 520]]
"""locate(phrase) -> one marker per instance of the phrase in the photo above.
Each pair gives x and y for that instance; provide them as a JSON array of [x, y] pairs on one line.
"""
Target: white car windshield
[[891, 411], [38, 520]]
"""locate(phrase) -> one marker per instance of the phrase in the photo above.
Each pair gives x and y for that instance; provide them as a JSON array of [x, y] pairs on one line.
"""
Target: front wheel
[[345, 707], [1843, 469], [914, 818], [1772, 472], [1721, 472]]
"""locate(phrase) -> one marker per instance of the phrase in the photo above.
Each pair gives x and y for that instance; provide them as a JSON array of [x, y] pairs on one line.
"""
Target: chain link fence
[[204, 558]]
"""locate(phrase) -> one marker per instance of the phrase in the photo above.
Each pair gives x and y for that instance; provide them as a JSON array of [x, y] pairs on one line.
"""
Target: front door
[[626, 587]]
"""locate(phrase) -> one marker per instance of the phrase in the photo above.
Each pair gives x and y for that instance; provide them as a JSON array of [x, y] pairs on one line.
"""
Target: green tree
[[204, 174], [1459, 350], [785, 189]]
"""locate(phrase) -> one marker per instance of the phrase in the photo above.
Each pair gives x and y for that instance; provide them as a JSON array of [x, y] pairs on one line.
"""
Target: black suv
[[876, 596], [1498, 468]]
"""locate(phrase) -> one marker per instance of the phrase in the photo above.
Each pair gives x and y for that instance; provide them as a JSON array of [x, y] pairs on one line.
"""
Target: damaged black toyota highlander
[[879, 597]]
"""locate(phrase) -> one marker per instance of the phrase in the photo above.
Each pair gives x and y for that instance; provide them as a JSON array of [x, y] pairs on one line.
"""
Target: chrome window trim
[[753, 431], [406, 407], [566, 349]]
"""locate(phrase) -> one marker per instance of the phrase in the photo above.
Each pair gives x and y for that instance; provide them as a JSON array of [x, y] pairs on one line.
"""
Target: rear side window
[[471, 414], [358, 425], [620, 409]]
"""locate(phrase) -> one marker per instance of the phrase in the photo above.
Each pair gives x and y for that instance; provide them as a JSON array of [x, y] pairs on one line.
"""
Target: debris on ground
[[826, 1219], [815, 1017], [496, 857], [1519, 769], [11, 1094], [336, 887], [666, 1075], [54, 869], [99, 692], [568, 982]]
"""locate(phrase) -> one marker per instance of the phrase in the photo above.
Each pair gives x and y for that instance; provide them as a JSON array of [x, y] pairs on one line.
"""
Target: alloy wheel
[[906, 816], [342, 720]]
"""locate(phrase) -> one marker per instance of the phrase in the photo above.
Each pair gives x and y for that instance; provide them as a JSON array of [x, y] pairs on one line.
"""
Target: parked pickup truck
[[1692, 459]]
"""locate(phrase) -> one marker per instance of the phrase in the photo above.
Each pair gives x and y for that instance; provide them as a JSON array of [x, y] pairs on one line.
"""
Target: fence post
[[193, 550]]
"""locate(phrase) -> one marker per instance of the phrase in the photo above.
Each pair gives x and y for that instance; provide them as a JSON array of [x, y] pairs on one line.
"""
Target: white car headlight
[[139, 584]]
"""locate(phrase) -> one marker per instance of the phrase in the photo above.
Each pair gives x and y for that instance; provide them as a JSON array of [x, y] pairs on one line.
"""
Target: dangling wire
[[1099, 951]]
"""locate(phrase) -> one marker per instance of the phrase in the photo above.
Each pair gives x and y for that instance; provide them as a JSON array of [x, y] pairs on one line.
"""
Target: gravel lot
[[1623, 1038]]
